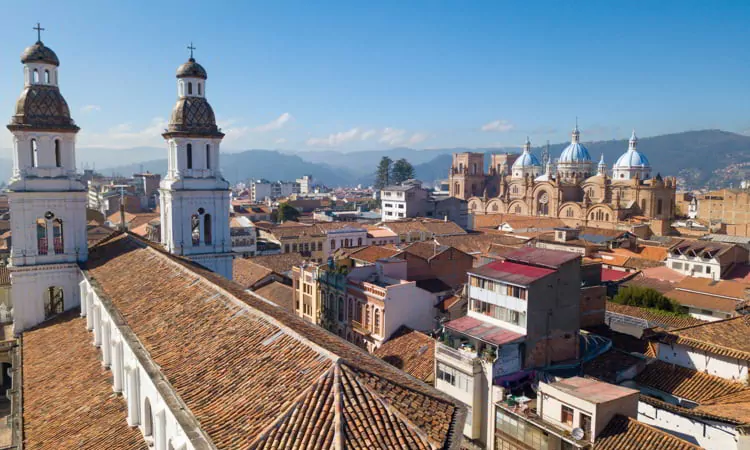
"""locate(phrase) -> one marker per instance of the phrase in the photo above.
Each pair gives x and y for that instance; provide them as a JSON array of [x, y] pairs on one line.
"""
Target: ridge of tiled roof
[[697, 412], [626, 433], [372, 253], [285, 355], [411, 351], [686, 383], [726, 337]]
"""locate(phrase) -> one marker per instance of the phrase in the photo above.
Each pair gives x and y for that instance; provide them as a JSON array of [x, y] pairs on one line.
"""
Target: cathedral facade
[[572, 188]]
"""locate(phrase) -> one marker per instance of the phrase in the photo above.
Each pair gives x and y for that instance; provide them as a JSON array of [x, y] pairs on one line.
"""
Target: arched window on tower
[[569, 212], [376, 328], [207, 229], [195, 230], [199, 89], [643, 206], [54, 302], [57, 234], [208, 154], [658, 206], [36, 76], [58, 156], [517, 209], [190, 156], [41, 236], [190, 88], [46, 77], [34, 153]]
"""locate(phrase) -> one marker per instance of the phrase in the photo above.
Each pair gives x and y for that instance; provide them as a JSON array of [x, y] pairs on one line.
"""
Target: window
[[333, 244], [294, 248], [359, 242], [341, 309], [677, 265], [57, 235], [517, 209], [199, 89], [36, 76], [46, 77], [207, 229], [454, 377], [34, 153], [190, 88], [569, 212], [707, 312], [208, 154], [41, 236], [53, 302], [286, 248], [320, 246], [58, 156], [376, 329], [566, 416], [190, 156], [658, 206]]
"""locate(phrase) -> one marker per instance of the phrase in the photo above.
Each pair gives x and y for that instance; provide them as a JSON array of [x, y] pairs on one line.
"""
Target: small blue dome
[[632, 159], [575, 153], [526, 160]]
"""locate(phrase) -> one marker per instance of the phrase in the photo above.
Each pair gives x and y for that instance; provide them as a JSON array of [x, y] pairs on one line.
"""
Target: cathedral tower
[[194, 196], [47, 200]]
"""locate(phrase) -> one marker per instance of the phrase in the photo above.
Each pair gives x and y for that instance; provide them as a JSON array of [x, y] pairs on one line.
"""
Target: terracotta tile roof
[[405, 227], [726, 337], [520, 223], [625, 433], [411, 351], [703, 301], [652, 253], [279, 293], [281, 263], [133, 220], [489, 220], [449, 302], [654, 318], [686, 383], [68, 400], [279, 363], [248, 273], [735, 406], [443, 228], [479, 242], [664, 273], [298, 230], [373, 253], [725, 288], [698, 412], [378, 232]]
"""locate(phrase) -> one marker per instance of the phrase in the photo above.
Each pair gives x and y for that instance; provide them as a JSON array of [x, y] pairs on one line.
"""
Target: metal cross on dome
[[39, 30], [191, 48]]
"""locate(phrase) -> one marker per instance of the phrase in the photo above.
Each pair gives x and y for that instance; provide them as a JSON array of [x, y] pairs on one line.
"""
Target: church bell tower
[[46, 198], [194, 196]]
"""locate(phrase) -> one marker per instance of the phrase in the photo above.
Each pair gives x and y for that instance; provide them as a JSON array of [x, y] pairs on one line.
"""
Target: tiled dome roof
[[191, 69], [575, 153], [42, 107], [39, 53], [527, 159], [193, 115]]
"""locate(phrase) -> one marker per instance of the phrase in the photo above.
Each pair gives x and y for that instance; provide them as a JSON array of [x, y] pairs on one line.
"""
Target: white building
[[46, 197], [262, 190], [244, 236], [408, 200], [705, 259], [305, 184], [194, 195]]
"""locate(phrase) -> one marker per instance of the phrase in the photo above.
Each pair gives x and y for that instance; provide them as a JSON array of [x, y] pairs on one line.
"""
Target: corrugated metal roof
[[483, 331], [512, 272]]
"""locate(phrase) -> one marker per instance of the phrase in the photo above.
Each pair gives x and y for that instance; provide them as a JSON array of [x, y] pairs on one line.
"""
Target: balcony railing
[[461, 355]]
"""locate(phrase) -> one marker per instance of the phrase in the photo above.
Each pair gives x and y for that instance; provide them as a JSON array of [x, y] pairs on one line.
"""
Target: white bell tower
[[47, 200], [194, 196]]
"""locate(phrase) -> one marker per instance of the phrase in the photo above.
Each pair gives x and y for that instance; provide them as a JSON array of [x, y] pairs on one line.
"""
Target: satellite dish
[[577, 433]]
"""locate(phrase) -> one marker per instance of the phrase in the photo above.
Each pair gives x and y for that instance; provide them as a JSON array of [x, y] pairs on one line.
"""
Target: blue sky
[[369, 75]]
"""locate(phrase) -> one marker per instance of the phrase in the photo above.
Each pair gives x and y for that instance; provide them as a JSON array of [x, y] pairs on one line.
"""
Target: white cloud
[[280, 141], [125, 136], [501, 126], [91, 108], [388, 136], [336, 139], [276, 124]]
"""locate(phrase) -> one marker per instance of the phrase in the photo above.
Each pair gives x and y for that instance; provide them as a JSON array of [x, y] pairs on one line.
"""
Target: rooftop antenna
[[122, 187]]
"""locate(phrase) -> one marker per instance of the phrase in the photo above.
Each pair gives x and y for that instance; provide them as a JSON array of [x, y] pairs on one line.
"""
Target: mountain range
[[712, 158]]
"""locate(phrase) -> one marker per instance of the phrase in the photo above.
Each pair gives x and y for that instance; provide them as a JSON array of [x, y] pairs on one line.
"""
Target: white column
[[160, 431], [117, 367], [89, 302], [106, 341], [84, 295], [97, 327], [133, 397]]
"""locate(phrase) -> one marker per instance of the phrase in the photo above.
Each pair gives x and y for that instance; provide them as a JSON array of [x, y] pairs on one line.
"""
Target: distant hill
[[698, 158], [242, 166]]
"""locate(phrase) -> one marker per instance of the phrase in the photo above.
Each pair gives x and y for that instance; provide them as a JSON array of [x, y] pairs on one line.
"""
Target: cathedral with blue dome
[[573, 187]]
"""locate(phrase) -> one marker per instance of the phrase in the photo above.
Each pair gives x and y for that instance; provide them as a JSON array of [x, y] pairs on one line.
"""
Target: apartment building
[[244, 236], [260, 190], [410, 199], [524, 313], [705, 259]]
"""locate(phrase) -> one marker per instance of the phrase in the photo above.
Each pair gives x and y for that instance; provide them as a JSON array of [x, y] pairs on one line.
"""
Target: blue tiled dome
[[527, 159], [575, 153], [632, 159]]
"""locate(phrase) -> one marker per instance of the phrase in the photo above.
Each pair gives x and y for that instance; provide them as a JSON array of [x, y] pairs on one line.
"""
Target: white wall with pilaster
[[160, 428]]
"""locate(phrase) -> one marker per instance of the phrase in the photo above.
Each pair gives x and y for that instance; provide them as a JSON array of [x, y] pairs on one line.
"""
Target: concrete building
[[260, 190], [408, 200], [704, 259], [305, 184], [244, 236], [524, 313]]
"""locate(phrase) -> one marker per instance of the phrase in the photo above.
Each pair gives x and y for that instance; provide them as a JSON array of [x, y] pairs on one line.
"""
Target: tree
[[646, 298], [383, 174], [402, 171], [286, 212]]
